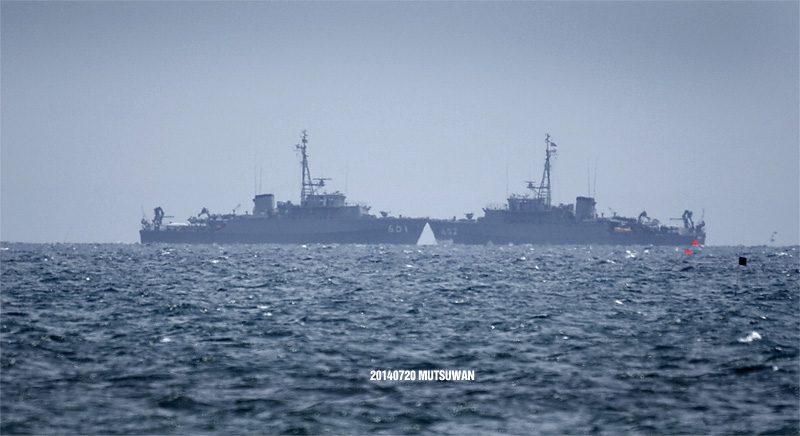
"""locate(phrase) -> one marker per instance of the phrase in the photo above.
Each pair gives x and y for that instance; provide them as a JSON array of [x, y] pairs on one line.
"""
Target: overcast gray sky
[[422, 109]]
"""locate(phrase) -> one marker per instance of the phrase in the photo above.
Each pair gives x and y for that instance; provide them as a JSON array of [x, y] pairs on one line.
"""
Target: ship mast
[[308, 184], [543, 190]]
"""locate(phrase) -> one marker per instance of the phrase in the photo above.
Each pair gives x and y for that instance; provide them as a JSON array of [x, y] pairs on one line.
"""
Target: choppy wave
[[158, 339]]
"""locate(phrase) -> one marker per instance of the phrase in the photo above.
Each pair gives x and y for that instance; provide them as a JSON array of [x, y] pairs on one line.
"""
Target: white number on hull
[[398, 229], [450, 231]]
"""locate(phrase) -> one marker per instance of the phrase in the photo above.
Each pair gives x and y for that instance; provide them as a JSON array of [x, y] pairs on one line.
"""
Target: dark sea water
[[158, 339]]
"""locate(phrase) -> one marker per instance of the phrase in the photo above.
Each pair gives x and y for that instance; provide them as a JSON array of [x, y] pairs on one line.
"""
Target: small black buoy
[[743, 261]]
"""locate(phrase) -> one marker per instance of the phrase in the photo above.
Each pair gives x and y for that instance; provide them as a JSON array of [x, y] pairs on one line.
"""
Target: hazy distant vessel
[[532, 219], [319, 218]]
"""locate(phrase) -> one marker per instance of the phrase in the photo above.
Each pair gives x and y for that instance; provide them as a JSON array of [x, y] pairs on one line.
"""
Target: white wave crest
[[752, 336]]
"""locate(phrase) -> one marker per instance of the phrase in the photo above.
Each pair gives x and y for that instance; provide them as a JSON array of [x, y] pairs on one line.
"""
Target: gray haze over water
[[421, 109]]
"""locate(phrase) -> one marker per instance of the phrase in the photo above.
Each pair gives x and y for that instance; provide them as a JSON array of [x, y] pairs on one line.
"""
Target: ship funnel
[[584, 208], [264, 204]]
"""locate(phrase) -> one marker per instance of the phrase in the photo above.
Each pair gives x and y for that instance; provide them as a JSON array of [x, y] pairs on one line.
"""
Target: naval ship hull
[[264, 230], [598, 232]]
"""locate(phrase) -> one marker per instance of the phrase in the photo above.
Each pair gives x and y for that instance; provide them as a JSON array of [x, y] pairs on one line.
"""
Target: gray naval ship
[[532, 219], [319, 218]]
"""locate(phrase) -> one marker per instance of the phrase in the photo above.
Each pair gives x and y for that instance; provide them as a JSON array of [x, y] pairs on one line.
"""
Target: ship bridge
[[335, 199]]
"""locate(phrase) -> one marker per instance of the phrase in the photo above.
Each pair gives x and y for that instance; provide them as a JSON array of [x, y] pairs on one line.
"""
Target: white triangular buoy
[[427, 238]]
